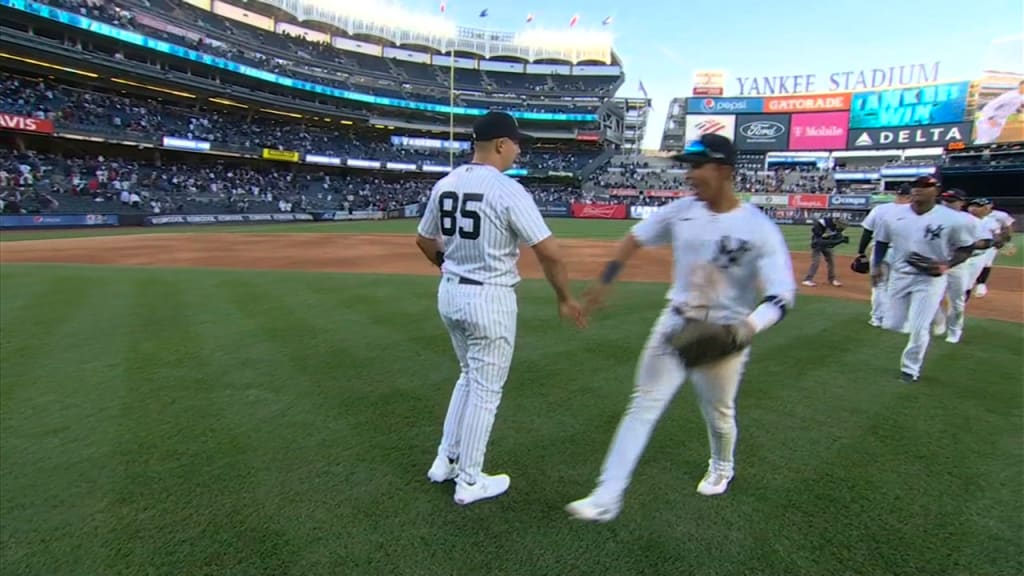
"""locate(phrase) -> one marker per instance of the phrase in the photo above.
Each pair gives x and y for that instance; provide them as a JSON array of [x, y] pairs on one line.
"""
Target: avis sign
[[25, 124], [909, 136]]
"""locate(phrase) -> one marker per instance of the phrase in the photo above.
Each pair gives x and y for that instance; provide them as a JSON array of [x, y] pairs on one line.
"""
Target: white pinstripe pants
[[481, 321], [913, 300], [659, 374]]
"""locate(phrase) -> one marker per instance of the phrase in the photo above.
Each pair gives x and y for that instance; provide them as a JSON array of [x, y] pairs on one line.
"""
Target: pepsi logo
[[708, 104]]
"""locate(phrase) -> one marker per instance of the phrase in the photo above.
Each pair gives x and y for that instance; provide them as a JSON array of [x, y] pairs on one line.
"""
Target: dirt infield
[[398, 255]]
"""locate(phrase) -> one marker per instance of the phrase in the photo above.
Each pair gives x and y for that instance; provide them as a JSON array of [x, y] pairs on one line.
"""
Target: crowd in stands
[[323, 64], [150, 119], [34, 182]]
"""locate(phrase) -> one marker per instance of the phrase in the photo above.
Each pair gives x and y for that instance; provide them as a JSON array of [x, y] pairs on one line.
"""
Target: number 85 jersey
[[481, 216]]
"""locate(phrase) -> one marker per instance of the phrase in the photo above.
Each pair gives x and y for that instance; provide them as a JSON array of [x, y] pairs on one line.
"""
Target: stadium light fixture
[[46, 65], [281, 113], [227, 102], [151, 87]]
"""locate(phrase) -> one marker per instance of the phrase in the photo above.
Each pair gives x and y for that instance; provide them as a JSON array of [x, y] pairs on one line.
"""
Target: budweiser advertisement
[[821, 131], [600, 211], [698, 125], [808, 200], [25, 124]]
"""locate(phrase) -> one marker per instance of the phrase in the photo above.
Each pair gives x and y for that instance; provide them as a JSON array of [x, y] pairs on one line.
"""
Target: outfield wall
[[783, 208]]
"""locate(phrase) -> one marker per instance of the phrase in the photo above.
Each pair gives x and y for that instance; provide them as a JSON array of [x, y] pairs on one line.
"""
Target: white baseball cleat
[[715, 482], [980, 291], [485, 487], [809, 283], [939, 328], [592, 509], [875, 323], [837, 283], [953, 338], [442, 470]]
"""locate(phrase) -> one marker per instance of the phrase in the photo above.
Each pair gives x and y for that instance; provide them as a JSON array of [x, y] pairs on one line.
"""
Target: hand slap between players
[[571, 310]]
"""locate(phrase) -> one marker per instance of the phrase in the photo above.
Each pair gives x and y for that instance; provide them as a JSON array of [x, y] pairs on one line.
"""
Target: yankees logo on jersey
[[730, 251], [933, 232]]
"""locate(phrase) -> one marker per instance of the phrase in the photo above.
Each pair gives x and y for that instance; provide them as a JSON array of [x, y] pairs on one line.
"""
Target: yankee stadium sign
[[845, 81]]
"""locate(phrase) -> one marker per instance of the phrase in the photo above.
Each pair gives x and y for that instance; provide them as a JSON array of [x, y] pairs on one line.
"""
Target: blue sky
[[662, 42]]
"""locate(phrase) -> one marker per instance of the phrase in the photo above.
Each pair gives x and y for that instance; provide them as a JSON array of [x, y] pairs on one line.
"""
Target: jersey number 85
[[452, 211]]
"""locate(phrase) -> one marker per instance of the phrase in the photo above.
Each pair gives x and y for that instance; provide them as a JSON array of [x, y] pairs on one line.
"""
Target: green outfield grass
[[798, 237], [232, 422]]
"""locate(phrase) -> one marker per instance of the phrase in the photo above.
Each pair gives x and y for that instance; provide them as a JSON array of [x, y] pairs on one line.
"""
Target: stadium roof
[[387, 20]]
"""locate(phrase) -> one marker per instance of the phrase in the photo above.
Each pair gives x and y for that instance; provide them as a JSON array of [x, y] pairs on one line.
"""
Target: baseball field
[[267, 400]]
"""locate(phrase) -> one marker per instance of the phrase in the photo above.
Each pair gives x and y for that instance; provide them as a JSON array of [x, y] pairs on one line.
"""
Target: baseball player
[[927, 240], [992, 119], [482, 215], [868, 226], [949, 318], [826, 234], [722, 249], [1001, 225]]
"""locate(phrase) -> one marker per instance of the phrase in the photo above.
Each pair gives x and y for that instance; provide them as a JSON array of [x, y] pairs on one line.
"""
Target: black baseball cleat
[[908, 377]]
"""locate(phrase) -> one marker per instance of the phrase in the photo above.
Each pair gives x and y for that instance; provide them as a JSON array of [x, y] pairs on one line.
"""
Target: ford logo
[[762, 129]]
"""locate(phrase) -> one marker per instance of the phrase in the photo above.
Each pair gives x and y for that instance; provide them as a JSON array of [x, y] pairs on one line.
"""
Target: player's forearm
[[865, 239], [431, 249], [558, 276], [881, 249], [961, 254], [771, 310], [623, 252]]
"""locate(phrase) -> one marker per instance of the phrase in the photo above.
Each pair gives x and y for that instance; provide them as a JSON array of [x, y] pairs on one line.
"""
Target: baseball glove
[[860, 264], [927, 265], [699, 342]]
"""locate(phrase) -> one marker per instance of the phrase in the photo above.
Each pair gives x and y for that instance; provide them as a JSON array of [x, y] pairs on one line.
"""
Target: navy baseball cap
[[496, 124], [926, 181], [952, 195], [709, 149], [904, 190], [979, 202]]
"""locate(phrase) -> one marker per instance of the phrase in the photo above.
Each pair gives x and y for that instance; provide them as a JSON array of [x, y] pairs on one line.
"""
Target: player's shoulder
[[679, 208]]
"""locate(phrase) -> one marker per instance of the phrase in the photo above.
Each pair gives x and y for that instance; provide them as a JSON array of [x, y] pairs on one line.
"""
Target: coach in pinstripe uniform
[[481, 216]]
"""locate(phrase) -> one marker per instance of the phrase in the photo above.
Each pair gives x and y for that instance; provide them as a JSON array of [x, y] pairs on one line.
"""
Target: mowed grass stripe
[[58, 417], [322, 397]]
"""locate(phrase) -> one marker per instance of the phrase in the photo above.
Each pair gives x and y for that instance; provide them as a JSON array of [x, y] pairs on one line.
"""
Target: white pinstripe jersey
[[984, 229], [481, 216], [1001, 217], [723, 262], [936, 234]]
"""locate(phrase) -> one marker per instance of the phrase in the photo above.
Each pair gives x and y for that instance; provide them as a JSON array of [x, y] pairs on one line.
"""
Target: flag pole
[[451, 107]]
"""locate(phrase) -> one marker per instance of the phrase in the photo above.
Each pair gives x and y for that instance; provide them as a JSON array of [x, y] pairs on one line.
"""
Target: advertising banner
[[354, 215], [808, 216], [838, 102], [821, 131], [185, 144], [413, 210], [908, 136], [916, 106], [724, 105], [699, 125], [25, 124], [708, 82], [599, 211], [641, 212], [850, 201], [808, 201], [770, 199], [226, 218], [999, 115], [762, 132], [623, 192], [280, 155], [48, 220], [555, 209], [666, 193], [324, 160]]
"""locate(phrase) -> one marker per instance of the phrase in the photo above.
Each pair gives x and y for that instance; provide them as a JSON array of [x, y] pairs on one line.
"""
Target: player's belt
[[469, 282]]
